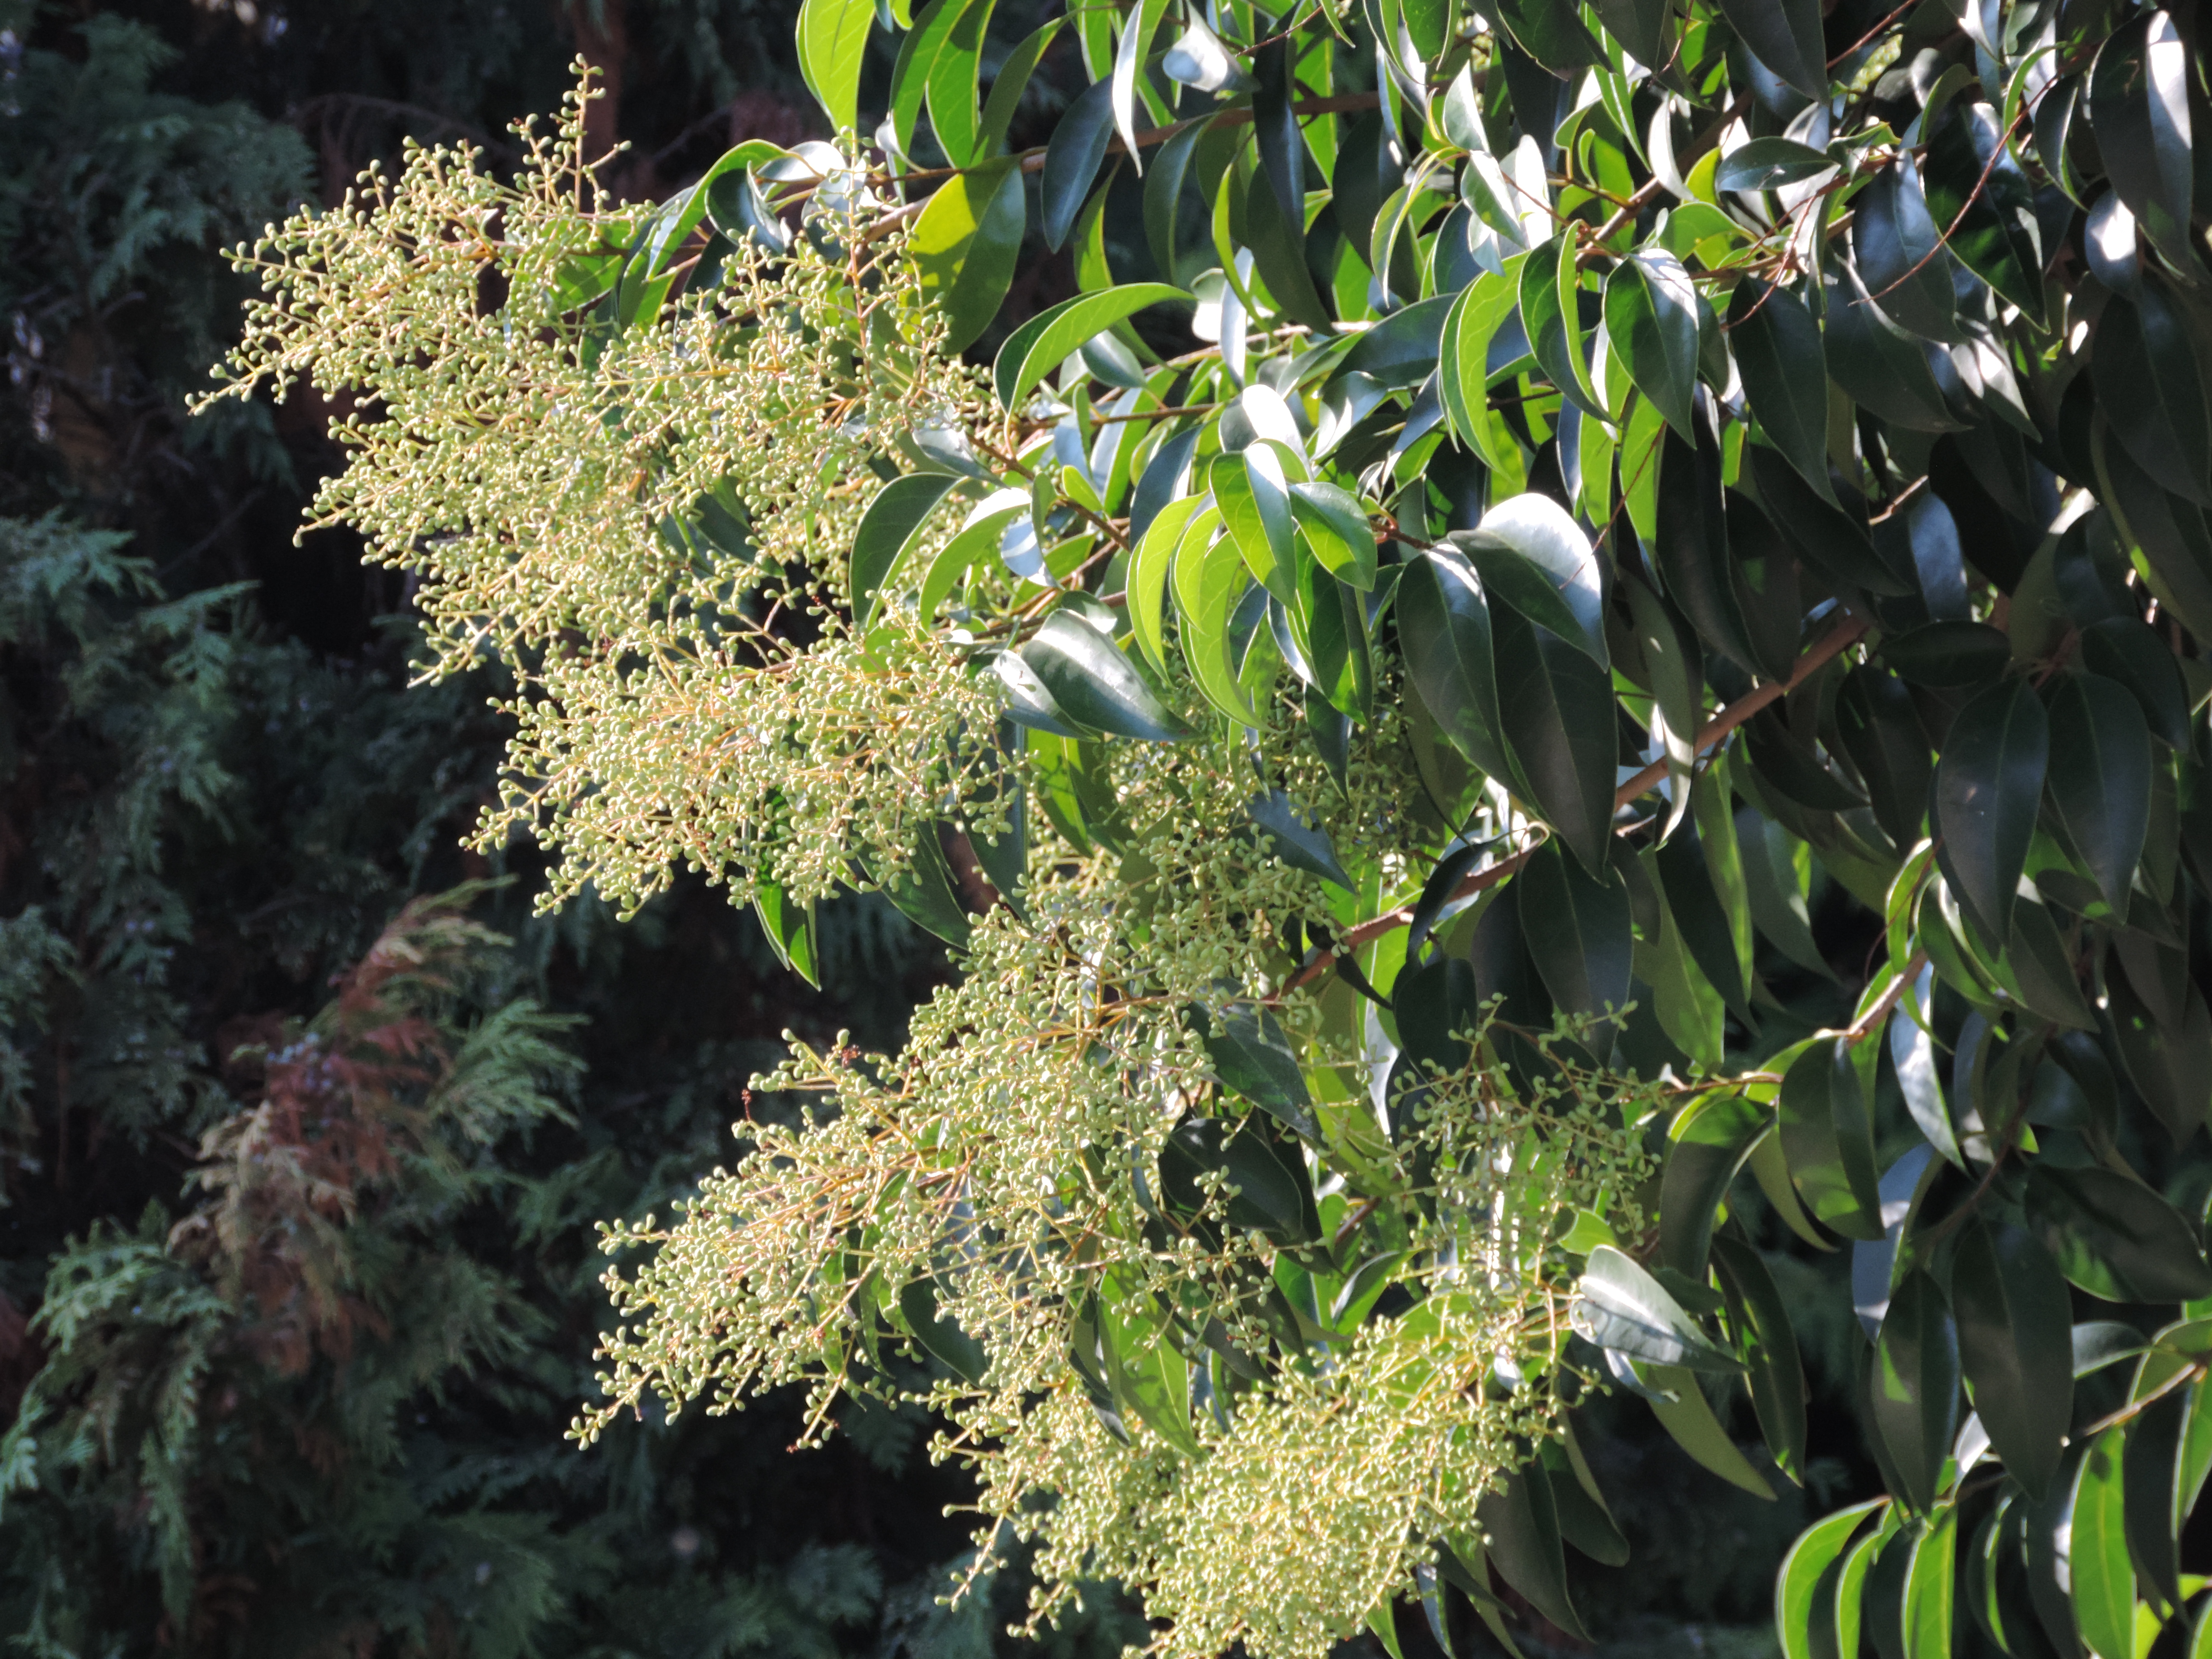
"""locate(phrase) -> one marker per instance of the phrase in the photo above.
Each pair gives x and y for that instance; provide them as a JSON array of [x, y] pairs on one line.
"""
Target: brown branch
[[1831, 645]]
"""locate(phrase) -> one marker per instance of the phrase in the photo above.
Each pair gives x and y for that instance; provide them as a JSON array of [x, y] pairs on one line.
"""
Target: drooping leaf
[[2139, 106], [1805, 1585], [1988, 785], [1303, 845], [2103, 1578], [1251, 1055], [1651, 318], [1444, 630], [965, 243], [833, 35], [1777, 351], [2016, 1345], [1916, 1385], [1786, 36], [1522, 1530], [2144, 351], [1578, 928], [2099, 778], [1555, 712], [1707, 1144], [892, 524], [1760, 1316]]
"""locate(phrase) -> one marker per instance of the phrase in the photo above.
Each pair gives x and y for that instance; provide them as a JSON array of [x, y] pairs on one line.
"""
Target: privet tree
[[1523, 502]]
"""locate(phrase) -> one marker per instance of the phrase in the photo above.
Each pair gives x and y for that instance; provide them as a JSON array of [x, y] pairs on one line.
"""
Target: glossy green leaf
[[1990, 203], [2103, 1578], [1152, 565], [1707, 1144], [1210, 579], [2114, 1236], [1777, 352], [1402, 350], [1988, 786], [1549, 311], [1786, 36], [2149, 1476], [923, 892], [1831, 1166], [965, 243], [1805, 1586], [1651, 318], [1336, 526], [2144, 351], [1444, 631], [1095, 684], [1297, 841], [833, 37], [1768, 164], [1254, 499], [1039, 345], [1555, 712], [2166, 1051], [893, 523], [1899, 250], [1692, 549], [2099, 778], [1619, 1306], [2015, 1344], [1768, 1343], [954, 74], [1532, 556], [2139, 105], [1916, 1385], [1483, 307]]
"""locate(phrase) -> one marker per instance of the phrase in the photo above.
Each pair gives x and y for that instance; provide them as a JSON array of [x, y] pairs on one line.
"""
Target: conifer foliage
[[1527, 503]]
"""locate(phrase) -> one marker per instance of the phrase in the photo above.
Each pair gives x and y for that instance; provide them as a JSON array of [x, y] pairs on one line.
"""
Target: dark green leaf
[[892, 524], [1071, 159], [1094, 684], [1578, 930], [1759, 1317], [2145, 354], [1532, 556], [1444, 631], [1831, 538], [1651, 318], [2130, 652], [1691, 550], [1301, 845], [1771, 163], [1786, 36], [1948, 655], [1694, 902], [1916, 1385], [1438, 1009], [1556, 712], [1583, 1521], [1522, 1530], [1278, 254], [1007, 86], [1899, 253], [2015, 1341], [2101, 778], [1881, 734], [1777, 352], [1881, 366], [1549, 32], [2168, 1058], [1164, 195], [1251, 1055], [2114, 1236], [1988, 786], [1402, 350], [1997, 238], [1833, 1171], [1706, 1145], [2139, 106]]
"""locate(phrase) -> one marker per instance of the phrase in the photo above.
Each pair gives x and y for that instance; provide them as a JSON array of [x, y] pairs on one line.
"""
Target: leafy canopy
[[1524, 507]]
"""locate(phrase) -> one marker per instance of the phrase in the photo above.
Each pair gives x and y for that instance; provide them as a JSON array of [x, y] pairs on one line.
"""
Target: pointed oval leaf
[[1579, 930], [1040, 345], [892, 522], [2101, 778], [1989, 787], [1777, 351], [1095, 685], [1707, 1143], [1300, 844], [2015, 1344], [1617, 1305], [1555, 711], [1445, 632], [1914, 1386], [833, 39]]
